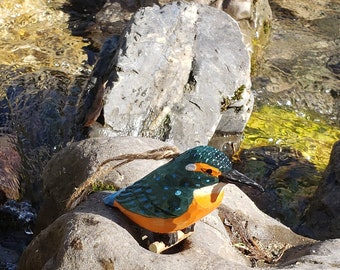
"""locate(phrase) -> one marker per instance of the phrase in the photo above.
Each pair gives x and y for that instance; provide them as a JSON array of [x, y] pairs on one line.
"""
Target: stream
[[286, 143]]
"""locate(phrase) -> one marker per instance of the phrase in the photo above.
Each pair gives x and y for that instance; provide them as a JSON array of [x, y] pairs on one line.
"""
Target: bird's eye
[[203, 168]]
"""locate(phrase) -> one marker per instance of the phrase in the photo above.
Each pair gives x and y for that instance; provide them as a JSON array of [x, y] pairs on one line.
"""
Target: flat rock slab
[[180, 72]]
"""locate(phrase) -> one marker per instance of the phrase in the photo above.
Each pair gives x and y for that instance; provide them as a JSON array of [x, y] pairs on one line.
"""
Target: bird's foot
[[189, 229], [168, 239], [160, 242]]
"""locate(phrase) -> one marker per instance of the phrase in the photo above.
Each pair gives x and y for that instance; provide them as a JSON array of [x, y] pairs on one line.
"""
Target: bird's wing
[[153, 198]]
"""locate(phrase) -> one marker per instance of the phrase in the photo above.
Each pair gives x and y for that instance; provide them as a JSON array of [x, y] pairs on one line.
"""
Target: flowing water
[[296, 119], [35, 35], [35, 42], [312, 135]]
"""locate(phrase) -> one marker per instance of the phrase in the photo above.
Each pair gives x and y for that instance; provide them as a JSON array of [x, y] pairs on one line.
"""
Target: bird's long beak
[[236, 177]]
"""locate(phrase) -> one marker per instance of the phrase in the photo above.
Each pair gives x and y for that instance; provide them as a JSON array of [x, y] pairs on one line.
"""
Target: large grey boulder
[[94, 236], [180, 72]]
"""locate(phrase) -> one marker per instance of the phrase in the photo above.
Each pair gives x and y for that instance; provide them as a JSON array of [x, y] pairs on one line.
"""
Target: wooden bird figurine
[[176, 195]]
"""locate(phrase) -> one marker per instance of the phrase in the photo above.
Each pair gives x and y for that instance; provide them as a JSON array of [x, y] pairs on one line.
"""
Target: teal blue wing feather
[[156, 195]]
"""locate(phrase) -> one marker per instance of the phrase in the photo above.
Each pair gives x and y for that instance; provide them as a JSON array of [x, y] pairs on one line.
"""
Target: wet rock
[[43, 111], [322, 219], [16, 219], [288, 178], [111, 19], [17, 216], [10, 164], [178, 77]]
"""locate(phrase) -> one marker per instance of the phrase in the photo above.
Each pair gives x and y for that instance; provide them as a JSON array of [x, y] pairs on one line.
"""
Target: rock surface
[[180, 73], [323, 216], [78, 161], [322, 255], [10, 163], [94, 236]]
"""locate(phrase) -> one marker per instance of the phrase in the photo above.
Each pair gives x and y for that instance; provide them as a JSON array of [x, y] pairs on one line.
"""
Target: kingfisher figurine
[[176, 195]]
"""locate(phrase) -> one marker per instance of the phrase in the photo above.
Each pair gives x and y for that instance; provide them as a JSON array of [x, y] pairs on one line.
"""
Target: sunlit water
[[35, 35], [34, 38], [284, 127]]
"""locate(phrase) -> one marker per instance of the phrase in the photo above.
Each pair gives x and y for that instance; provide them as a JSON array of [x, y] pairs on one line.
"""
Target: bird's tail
[[109, 200]]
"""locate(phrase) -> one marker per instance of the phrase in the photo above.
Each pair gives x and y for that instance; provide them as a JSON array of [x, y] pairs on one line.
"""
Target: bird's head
[[205, 166]]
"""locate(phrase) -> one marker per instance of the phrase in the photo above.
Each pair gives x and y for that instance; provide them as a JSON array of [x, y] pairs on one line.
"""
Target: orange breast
[[205, 201]]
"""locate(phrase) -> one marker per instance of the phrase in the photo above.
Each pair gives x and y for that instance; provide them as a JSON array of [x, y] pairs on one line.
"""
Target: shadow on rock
[[288, 178], [322, 218]]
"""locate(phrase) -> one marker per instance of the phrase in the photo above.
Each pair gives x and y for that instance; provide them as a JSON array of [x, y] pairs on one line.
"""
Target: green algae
[[284, 127], [100, 186], [226, 101], [238, 93]]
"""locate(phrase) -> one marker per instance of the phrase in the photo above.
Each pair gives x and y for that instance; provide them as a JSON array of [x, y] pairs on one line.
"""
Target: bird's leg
[[172, 238], [188, 229], [169, 238], [163, 241]]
